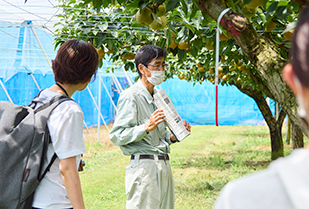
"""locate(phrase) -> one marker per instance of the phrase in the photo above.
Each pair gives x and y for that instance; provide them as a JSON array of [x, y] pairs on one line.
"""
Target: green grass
[[202, 164]]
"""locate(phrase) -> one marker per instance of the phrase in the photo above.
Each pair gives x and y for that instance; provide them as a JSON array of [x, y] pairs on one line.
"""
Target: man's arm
[[126, 128], [71, 181]]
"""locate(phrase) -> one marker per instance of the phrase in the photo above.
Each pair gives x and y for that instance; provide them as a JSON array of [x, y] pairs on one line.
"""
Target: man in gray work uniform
[[139, 132]]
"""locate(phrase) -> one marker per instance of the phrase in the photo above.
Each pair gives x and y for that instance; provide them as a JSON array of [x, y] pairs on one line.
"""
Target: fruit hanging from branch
[[254, 4], [145, 17], [161, 10], [155, 25], [173, 45], [183, 45], [270, 27], [288, 35], [101, 53]]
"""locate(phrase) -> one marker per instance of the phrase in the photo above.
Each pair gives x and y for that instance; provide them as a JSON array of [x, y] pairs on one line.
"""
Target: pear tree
[[254, 44]]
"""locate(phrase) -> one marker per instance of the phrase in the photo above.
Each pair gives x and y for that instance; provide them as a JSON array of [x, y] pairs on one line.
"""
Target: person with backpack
[[75, 64], [285, 183]]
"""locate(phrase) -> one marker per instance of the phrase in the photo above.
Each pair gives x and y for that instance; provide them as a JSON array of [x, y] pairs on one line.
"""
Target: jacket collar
[[144, 92]]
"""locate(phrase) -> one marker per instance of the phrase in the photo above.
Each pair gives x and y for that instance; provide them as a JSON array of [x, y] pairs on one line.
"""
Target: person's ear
[[141, 68], [289, 77]]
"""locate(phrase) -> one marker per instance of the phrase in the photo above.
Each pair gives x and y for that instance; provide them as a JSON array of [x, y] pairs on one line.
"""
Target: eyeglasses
[[157, 67]]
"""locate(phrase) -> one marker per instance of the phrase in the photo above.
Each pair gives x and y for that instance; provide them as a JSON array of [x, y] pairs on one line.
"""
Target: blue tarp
[[25, 49], [22, 89], [196, 104], [21, 54]]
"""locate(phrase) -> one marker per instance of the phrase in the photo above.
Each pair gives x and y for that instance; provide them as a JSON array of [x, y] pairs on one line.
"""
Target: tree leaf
[[121, 1], [142, 4], [290, 26], [247, 1], [190, 27], [134, 4], [184, 7], [114, 33], [97, 3], [271, 10], [171, 5], [194, 11], [261, 18], [183, 34], [103, 26], [284, 54], [265, 2], [95, 32], [106, 3], [181, 53], [100, 63], [172, 26], [98, 41], [282, 12], [293, 6], [168, 35], [197, 23], [155, 17], [158, 1]]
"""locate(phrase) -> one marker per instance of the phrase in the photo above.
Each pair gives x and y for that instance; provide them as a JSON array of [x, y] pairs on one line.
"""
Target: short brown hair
[[76, 62]]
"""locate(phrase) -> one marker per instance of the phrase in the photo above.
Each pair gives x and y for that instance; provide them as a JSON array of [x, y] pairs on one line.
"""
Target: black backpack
[[24, 138]]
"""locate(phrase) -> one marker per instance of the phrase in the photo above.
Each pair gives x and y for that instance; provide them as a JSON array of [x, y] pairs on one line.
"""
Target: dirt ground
[[91, 135]]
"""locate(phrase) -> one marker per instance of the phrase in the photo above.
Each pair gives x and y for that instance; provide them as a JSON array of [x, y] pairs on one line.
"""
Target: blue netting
[[20, 49], [22, 89], [21, 54], [196, 104]]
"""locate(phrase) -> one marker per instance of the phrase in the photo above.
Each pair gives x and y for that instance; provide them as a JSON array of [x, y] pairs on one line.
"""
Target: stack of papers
[[172, 119]]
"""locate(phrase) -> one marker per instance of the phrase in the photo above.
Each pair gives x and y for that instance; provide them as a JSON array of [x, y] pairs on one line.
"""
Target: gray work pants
[[149, 184]]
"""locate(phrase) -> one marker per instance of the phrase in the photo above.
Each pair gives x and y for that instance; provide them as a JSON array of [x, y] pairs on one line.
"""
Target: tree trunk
[[276, 140], [297, 137], [288, 133], [275, 126], [263, 53]]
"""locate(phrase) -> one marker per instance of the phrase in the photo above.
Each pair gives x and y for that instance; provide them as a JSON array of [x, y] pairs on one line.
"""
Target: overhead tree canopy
[[254, 45]]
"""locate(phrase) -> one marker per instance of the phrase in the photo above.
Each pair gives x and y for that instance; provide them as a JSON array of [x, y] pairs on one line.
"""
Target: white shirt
[[66, 130], [283, 185]]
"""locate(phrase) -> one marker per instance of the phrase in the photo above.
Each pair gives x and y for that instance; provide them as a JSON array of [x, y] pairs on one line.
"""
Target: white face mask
[[301, 105], [156, 77]]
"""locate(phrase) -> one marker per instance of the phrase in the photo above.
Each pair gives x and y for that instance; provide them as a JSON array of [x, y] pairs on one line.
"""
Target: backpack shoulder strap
[[50, 104], [45, 110], [48, 167]]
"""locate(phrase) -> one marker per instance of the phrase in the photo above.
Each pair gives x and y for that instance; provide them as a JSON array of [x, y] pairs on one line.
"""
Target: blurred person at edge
[[140, 133], [285, 183], [75, 64]]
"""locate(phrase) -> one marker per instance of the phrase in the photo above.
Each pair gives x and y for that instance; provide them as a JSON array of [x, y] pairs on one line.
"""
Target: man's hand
[[187, 125], [155, 119]]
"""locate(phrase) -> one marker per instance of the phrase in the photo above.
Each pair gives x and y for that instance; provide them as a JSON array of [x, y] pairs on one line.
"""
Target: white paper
[[172, 118]]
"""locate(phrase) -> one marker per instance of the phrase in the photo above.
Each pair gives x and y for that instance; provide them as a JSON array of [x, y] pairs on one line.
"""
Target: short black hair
[[145, 54], [300, 47]]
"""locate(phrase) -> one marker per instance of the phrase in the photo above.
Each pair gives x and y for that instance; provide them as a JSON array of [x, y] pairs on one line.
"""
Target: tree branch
[[282, 115], [258, 80], [263, 54]]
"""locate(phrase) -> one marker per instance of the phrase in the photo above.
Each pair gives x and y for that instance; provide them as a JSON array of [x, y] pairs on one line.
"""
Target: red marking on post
[[217, 123]]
